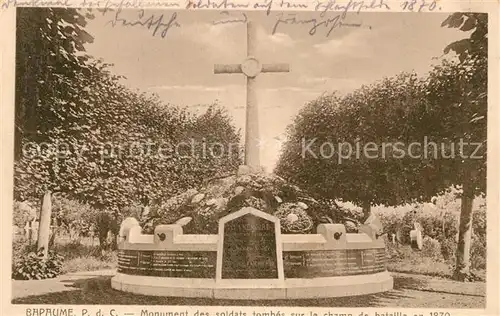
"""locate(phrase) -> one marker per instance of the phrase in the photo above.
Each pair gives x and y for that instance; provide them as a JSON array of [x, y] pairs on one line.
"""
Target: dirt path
[[410, 291]]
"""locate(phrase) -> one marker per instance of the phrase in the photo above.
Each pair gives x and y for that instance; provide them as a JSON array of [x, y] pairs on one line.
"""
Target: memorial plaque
[[144, 262], [249, 249], [173, 264], [184, 264], [128, 261], [330, 263], [310, 264]]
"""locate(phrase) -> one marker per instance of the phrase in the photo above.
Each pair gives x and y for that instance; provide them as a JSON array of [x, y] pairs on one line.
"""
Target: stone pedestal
[[330, 263]]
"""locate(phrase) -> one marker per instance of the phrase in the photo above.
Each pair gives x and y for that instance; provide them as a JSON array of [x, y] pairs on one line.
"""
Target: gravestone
[[44, 223], [31, 231], [249, 248]]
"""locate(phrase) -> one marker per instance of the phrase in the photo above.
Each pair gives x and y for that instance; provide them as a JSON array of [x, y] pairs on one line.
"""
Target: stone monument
[[241, 263], [263, 244]]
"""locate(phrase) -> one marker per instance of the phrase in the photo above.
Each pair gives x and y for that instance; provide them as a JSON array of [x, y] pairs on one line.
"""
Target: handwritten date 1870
[[419, 5]]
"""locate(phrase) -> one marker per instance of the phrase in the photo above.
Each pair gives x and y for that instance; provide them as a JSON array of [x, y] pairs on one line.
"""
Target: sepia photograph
[[209, 154]]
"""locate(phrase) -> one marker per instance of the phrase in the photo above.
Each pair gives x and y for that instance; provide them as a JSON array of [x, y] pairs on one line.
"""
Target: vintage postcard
[[253, 157]]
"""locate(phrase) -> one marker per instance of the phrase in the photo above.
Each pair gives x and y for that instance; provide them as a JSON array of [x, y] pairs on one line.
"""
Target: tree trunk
[[52, 239], [44, 226], [103, 240], [53, 235], [103, 228], [367, 210], [114, 242], [462, 268]]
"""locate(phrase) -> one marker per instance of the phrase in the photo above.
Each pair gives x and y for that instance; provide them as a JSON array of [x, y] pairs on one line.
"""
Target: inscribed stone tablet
[[249, 249]]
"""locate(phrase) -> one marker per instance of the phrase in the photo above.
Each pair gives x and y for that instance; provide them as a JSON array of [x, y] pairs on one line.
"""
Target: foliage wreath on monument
[[298, 211]]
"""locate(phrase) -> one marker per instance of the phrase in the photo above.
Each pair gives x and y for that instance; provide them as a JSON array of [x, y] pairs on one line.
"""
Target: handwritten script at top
[[323, 6], [332, 13]]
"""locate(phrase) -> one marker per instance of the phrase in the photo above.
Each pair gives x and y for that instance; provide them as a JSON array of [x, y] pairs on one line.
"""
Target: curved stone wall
[[330, 263], [169, 253], [296, 264]]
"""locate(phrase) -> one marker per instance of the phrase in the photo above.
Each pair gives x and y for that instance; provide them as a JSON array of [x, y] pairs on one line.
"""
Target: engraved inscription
[[329, 263], [174, 264], [249, 249]]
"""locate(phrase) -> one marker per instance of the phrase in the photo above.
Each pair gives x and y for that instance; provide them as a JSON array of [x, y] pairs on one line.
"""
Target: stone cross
[[251, 68]]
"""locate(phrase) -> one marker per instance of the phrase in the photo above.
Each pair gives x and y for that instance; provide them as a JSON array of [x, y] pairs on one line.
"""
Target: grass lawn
[[416, 263], [424, 266], [408, 292], [79, 257]]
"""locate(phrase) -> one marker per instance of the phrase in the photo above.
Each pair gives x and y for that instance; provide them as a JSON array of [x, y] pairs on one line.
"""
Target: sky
[[179, 66]]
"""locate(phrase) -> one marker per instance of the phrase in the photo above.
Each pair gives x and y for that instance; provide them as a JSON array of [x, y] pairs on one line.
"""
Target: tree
[[47, 41], [475, 46], [218, 149], [115, 146], [338, 166], [468, 103], [46, 61], [444, 112], [85, 135]]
